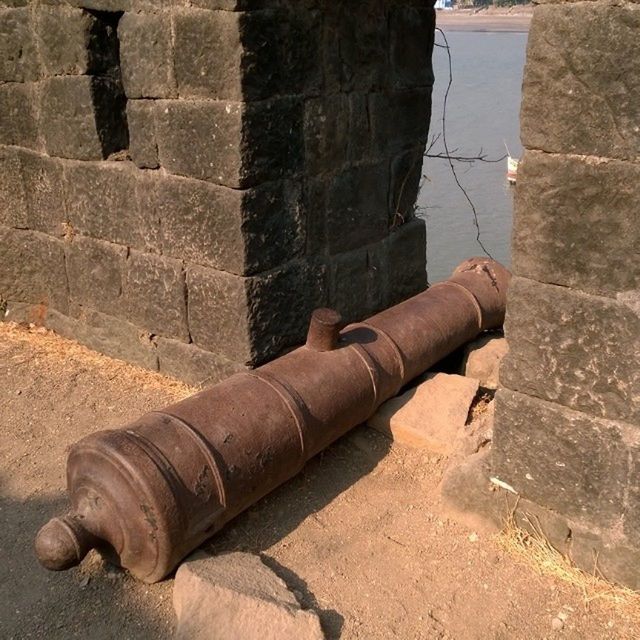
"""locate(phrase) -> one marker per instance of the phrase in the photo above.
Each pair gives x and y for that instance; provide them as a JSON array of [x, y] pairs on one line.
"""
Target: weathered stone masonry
[[181, 183], [567, 432]]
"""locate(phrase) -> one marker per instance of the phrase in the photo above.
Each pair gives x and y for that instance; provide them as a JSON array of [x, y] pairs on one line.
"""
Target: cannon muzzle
[[148, 494]]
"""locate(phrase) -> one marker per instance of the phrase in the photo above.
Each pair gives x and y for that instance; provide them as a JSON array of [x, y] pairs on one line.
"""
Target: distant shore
[[513, 19]]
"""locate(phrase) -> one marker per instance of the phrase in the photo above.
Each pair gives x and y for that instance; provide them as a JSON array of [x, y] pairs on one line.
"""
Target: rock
[[482, 358], [236, 596], [430, 415], [557, 624]]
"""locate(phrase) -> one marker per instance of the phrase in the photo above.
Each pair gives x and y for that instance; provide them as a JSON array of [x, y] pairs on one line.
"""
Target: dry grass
[[54, 353], [532, 548]]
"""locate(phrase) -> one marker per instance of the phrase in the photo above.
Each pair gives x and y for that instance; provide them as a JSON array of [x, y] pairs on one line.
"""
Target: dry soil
[[357, 535]]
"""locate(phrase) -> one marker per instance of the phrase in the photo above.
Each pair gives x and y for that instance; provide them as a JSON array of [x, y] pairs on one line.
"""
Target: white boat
[[512, 169]]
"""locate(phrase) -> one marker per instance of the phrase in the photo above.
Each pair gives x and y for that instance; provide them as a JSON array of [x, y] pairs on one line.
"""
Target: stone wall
[[567, 432], [182, 182]]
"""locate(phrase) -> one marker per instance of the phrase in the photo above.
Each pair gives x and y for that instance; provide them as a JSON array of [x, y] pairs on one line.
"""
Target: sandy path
[[356, 534]]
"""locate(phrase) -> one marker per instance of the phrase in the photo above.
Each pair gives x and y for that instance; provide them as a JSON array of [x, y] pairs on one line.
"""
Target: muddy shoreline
[[516, 20]]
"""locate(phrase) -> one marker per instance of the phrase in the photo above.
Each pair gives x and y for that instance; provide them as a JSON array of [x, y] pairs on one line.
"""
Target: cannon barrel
[[148, 494]]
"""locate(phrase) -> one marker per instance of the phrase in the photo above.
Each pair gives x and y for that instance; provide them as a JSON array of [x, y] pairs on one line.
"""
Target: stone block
[[431, 415], [326, 133], [18, 53], [43, 180], [358, 282], [392, 133], [239, 597], [578, 350], [243, 232], [273, 142], [97, 190], [576, 222], [73, 41], [201, 139], [255, 317], [230, 143], [95, 270], [107, 335], [154, 294], [407, 260], [13, 199], [246, 56], [32, 269], [482, 359], [209, 54], [354, 36], [192, 365], [314, 214], [143, 146], [561, 459], [18, 119], [411, 33], [406, 176], [146, 56], [224, 326], [83, 117], [357, 207], [567, 82]]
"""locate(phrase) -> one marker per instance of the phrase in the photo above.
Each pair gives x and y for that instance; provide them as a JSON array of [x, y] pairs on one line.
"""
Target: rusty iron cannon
[[148, 494]]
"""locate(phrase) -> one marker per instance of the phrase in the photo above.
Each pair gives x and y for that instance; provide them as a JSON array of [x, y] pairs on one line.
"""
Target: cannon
[[148, 494]]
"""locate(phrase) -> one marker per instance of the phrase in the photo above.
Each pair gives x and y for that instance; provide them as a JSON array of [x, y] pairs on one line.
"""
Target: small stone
[[474, 537], [557, 624], [430, 415], [239, 597]]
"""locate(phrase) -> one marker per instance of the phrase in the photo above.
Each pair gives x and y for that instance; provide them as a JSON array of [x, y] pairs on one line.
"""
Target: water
[[482, 113]]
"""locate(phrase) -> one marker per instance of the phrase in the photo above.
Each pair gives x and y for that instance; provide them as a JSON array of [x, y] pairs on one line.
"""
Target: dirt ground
[[357, 535]]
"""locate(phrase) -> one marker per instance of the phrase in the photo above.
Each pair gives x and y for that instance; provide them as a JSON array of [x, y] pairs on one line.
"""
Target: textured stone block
[[32, 269], [230, 143], [13, 200], [108, 335], [192, 365], [96, 191], [83, 117], [18, 53], [237, 595], [143, 146], [567, 82], [326, 133], [393, 133], [254, 318], [18, 120], [95, 271], [201, 139], [43, 180], [354, 37], [411, 32], [564, 460], [482, 359], [154, 294], [576, 223], [219, 313], [357, 207], [406, 175], [73, 41], [209, 54], [243, 232], [358, 282], [431, 415], [246, 56], [146, 55], [575, 349], [407, 260]]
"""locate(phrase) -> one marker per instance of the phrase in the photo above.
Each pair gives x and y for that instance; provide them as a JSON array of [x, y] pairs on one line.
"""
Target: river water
[[482, 114]]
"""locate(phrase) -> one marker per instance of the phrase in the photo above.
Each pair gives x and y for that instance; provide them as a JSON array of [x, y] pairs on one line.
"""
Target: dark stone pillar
[[181, 183]]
